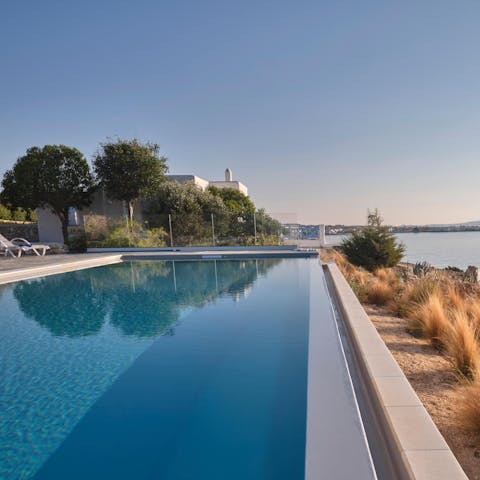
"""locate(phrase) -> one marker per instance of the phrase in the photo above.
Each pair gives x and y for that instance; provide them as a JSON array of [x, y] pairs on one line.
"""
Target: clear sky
[[322, 108]]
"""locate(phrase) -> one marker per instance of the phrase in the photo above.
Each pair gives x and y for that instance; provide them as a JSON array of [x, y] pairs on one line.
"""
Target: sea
[[440, 249]]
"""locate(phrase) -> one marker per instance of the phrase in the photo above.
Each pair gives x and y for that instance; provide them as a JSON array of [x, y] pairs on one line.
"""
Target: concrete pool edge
[[28, 273], [90, 260], [322, 419], [419, 450]]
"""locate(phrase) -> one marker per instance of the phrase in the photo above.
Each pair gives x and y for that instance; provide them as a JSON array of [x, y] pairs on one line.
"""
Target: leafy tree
[[267, 225], [128, 170], [191, 210], [374, 246], [56, 177], [240, 208]]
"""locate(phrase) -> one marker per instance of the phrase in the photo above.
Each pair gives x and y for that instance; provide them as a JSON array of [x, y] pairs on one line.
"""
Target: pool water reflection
[[150, 367]]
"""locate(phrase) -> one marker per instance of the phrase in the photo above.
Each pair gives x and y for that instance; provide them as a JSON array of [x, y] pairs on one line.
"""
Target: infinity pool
[[168, 370]]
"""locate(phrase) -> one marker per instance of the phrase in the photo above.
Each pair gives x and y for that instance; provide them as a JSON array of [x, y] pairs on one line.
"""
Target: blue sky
[[323, 109]]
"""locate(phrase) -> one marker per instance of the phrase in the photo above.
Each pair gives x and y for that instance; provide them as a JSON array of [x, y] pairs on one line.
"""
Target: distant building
[[204, 184], [199, 182]]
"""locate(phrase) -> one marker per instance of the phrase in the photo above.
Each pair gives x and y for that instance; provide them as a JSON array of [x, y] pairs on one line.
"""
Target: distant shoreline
[[344, 230]]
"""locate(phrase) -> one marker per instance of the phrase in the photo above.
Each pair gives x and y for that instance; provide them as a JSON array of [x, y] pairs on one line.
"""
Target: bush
[[78, 243], [5, 213], [121, 235], [19, 215], [373, 247], [430, 319], [380, 293], [96, 226], [462, 347], [469, 407]]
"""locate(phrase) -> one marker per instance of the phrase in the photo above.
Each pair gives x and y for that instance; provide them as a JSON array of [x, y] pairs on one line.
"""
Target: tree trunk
[[64, 221], [130, 213]]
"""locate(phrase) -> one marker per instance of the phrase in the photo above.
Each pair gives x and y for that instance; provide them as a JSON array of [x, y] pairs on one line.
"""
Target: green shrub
[[32, 215], [78, 243], [5, 213], [19, 215], [374, 246], [120, 235]]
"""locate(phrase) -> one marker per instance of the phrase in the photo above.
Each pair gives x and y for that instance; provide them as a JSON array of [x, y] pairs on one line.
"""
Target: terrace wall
[[11, 230]]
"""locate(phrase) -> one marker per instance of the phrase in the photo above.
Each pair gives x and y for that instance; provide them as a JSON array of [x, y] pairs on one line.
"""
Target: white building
[[204, 184]]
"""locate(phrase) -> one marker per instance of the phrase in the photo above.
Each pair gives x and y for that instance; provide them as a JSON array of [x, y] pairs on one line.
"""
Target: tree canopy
[[56, 177], [374, 246], [129, 169], [190, 208]]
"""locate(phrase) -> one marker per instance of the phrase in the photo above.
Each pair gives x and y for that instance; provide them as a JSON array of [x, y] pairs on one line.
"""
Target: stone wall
[[29, 231]]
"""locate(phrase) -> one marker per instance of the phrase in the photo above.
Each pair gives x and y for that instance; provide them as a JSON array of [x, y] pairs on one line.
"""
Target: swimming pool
[[174, 370]]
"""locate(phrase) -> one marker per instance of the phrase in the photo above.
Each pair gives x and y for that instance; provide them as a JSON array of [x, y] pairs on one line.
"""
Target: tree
[[128, 170], [241, 210], [56, 177], [267, 225], [191, 210], [374, 246]]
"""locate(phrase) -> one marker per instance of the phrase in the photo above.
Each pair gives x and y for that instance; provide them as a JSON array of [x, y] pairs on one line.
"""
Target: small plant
[[469, 407], [461, 344], [360, 289], [473, 310], [78, 243], [430, 319], [374, 246], [380, 293], [454, 297], [120, 234], [96, 227], [422, 269], [422, 289], [389, 276]]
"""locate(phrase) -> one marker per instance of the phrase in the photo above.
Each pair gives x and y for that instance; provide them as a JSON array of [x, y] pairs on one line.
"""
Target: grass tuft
[[380, 292], [469, 407], [430, 319], [462, 346]]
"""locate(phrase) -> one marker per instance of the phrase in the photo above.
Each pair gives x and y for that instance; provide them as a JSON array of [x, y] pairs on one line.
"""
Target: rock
[[472, 274]]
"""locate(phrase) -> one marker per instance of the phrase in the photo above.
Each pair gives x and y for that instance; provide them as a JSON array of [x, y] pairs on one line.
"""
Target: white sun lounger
[[17, 246]]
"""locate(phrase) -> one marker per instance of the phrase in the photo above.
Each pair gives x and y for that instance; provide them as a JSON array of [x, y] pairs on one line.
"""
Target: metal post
[[174, 277], [170, 225], [255, 227], [213, 231]]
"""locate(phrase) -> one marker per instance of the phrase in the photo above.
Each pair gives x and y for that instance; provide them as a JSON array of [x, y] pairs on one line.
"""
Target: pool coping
[[419, 448], [125, 255], [355, 442]]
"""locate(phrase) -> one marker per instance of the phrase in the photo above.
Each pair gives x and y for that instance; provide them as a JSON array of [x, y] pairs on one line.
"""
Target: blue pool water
[[185, 370]]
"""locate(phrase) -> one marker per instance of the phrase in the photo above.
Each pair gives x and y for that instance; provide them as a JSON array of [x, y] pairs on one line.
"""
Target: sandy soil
[[435, 382]]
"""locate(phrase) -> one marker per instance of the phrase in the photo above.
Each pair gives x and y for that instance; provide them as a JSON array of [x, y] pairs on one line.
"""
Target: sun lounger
[[17, 246]]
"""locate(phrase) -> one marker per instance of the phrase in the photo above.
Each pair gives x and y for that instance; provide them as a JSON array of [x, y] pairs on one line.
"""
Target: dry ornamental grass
[[439, 307]]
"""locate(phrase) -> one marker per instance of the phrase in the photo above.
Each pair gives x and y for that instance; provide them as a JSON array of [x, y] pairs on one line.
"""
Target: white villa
[[204, 184]]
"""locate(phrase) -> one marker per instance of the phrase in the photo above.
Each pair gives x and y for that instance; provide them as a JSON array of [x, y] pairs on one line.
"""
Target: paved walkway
[[9, 264]]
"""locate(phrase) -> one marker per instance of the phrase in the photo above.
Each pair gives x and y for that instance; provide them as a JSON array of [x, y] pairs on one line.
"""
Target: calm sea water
[[458, 249]]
